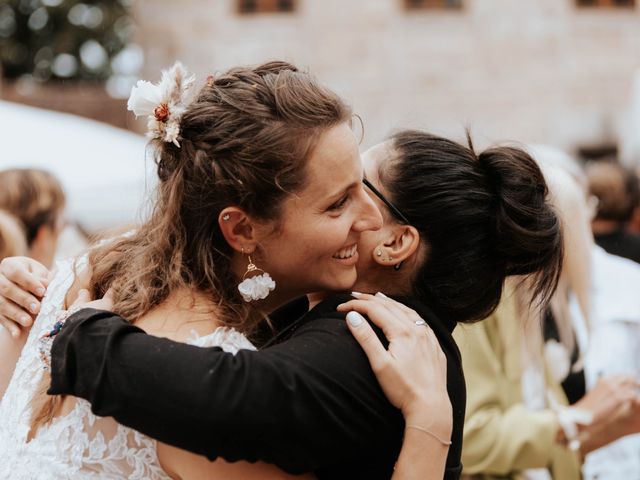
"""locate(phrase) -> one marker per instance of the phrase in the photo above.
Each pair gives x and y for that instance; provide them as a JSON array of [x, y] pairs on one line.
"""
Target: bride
[[229, 160]]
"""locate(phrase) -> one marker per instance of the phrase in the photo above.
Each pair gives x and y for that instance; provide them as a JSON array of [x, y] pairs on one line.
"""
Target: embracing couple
[[222, 332]]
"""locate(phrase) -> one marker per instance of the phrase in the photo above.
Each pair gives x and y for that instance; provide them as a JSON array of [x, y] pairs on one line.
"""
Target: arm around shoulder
[[294, 404]]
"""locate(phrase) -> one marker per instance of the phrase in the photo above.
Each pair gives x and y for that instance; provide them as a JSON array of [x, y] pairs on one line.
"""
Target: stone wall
[[539, 71]]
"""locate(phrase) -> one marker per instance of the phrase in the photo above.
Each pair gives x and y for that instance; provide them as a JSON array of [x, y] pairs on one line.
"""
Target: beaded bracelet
[[46, 341]]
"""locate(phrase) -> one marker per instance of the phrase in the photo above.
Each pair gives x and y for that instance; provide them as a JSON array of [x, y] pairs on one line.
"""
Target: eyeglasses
[[396, 213]]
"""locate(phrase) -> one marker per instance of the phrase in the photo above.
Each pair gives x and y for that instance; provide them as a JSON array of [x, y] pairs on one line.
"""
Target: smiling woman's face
[[315, 246]]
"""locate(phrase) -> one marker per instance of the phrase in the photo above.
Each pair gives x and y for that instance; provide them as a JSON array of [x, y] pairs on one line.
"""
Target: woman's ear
[[238, 229], [403, 241]]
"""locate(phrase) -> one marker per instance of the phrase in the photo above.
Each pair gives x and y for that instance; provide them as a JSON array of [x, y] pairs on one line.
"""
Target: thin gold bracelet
[[424, 430]]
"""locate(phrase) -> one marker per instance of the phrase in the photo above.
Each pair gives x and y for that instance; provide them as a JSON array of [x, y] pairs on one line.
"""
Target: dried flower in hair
[[163, 103], [161, 113]]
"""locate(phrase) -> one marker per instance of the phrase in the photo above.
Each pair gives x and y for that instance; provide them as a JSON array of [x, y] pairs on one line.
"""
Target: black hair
[[482, 217]]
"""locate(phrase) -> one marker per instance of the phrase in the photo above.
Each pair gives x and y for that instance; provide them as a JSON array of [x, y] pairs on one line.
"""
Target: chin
[[344, 283]]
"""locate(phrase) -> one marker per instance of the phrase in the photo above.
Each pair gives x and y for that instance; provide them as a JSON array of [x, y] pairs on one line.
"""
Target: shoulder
[[81, 270], [323, 320], [82, 266], [320, 344], [442, 328]]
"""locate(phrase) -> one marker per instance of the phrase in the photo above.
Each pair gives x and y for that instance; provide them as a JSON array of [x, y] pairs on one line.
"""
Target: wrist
[[437, 417], [573, 428]]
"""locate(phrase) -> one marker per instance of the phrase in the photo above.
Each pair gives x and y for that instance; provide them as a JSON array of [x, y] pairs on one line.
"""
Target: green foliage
[[62, 39]]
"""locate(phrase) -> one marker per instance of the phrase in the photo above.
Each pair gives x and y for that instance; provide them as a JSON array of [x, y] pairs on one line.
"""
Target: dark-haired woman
[[305, 402]]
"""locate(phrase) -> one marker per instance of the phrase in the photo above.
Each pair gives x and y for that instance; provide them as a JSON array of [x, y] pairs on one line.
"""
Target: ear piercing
[[388, 259], [226, 217]]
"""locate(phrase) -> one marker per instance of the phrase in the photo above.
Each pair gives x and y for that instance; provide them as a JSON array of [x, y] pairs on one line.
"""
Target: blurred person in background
[[522, 372], [36, 198], [616, 189], [12, 238], [614, 346]]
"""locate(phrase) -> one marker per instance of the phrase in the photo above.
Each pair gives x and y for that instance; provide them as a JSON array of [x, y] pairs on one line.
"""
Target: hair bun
[[526, 228]]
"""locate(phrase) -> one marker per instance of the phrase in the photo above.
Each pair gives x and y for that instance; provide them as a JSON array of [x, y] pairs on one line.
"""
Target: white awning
[[102, 168]]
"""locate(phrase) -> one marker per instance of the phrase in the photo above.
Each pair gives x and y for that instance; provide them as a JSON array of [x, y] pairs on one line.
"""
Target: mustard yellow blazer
[[501, 436]]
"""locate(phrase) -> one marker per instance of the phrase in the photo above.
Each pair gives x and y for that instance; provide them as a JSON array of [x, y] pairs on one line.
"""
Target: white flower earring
[[256, 287]]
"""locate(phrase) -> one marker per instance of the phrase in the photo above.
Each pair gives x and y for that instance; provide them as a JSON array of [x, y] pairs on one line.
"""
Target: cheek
[[366, 245]]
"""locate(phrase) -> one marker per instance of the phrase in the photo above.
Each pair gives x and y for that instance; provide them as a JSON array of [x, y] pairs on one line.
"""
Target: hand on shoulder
[[23, 283]]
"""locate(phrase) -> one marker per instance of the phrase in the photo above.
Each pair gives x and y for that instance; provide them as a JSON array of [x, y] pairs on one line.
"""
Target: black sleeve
[[309, 402]]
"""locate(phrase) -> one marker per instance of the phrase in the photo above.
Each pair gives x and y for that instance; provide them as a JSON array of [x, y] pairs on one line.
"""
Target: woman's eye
[[340, 203]]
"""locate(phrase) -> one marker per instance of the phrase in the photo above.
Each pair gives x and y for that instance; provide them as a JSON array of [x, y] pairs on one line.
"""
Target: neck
[[275, 300], [385, 280], [183, 311]]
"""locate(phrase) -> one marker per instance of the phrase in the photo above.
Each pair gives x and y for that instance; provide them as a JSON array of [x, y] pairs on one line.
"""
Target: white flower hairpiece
[[164, 103]]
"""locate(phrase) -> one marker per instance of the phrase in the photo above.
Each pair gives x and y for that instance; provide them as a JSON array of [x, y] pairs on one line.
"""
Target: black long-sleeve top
[[309, 402]]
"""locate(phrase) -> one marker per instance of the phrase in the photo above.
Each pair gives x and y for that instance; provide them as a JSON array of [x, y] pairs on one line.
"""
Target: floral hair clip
[[164, 103]]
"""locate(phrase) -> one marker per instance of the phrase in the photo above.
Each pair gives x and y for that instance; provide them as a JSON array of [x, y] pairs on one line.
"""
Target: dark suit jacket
[[307, 402]]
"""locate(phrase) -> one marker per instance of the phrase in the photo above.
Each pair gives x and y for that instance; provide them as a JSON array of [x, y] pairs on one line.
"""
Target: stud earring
[[397, 266], [226, 217], [379, 252], [256, 287]]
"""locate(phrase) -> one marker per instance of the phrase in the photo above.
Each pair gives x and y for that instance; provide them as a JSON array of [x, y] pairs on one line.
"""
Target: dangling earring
[[256, 287], [397, 266]]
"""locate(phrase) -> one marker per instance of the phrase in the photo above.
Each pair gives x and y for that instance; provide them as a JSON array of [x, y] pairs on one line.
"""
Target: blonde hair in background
[[12, 237], [568, 196], [35, 197]]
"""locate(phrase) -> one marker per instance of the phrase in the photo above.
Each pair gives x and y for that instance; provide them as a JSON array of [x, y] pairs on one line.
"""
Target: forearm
[[178, 394], [10, 349], [426, 443]]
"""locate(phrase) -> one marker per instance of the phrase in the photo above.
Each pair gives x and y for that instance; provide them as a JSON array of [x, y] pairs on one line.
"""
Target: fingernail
[[382, 295], [356, 294], [15, 333], [25, 319], [355, 319], [40, 291], [33, 307]]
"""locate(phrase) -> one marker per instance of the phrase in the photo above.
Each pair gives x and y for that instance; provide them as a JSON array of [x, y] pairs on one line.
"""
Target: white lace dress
[[78, 445]]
